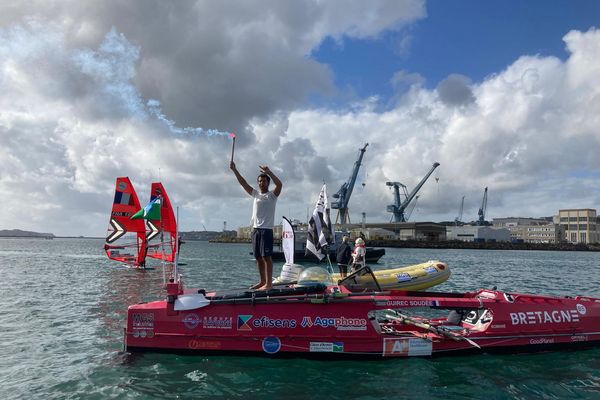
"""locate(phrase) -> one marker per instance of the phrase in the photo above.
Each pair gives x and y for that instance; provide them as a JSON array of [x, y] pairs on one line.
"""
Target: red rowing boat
[[318, 318]]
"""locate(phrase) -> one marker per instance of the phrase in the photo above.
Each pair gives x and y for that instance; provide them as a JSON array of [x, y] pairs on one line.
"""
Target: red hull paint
[[335, 323]]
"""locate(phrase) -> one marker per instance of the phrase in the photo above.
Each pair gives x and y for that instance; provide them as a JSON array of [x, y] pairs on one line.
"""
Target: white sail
[[287, 240], [290, 271]]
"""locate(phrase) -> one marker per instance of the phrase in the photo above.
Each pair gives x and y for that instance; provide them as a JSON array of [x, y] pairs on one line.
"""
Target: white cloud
[[525, 132], [78, 86], [74, 114]]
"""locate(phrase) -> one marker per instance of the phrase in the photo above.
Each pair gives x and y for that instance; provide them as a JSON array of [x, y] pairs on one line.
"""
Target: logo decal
[[406, 347], [271, 344], [340, 323], [191, 321], [544, 317], [242, 323], [326, 347], [430, 270], [217, 322]]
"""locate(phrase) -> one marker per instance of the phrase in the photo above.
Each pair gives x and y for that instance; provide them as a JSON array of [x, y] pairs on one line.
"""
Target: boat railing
[[362, 280]]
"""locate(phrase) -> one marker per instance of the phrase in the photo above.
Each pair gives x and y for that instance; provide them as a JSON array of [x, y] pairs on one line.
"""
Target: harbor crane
[[481, 221], [458, 220], [345, 191], [398, 208]]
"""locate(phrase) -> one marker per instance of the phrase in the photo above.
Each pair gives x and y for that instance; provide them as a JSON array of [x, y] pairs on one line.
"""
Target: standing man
[[263, 220], [343, 256]]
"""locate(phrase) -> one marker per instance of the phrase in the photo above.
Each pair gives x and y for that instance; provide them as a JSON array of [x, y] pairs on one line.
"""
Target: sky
[[504, 95]]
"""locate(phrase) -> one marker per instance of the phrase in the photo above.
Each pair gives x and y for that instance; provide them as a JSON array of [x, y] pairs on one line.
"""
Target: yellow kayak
[[412, 277]]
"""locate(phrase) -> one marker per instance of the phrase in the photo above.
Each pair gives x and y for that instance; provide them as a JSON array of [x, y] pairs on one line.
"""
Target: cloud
[[149, 89], [91, 92], [455, 90], [525, 130]]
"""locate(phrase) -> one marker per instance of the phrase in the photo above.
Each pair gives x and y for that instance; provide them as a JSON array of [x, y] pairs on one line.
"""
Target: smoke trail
[[112, 67], [156, 111]]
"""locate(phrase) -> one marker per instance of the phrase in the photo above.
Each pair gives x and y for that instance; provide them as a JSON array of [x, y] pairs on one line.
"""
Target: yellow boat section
[[412, 277]]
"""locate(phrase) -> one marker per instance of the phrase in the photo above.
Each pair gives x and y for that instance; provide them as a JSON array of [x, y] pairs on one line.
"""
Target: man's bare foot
[[265, 287], [257, 286]]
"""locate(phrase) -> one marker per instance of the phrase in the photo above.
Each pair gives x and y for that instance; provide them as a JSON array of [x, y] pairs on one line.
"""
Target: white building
[[580, 225], [471, 233], [531, 230]]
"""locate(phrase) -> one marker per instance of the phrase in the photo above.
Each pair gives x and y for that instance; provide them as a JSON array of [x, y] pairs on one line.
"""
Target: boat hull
[[334, 323], [412, 277]]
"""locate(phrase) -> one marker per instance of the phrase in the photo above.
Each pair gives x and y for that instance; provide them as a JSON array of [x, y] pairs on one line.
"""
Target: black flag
[[320, 233]]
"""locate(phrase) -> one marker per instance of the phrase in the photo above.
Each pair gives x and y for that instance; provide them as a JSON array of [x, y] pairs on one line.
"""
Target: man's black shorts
[[262, 242]]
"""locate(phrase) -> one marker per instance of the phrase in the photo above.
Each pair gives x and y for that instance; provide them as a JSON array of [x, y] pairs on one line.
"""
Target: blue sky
[[469, 37]]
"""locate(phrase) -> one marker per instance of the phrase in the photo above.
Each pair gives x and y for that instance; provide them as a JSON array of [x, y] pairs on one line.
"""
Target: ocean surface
[[62, 312]]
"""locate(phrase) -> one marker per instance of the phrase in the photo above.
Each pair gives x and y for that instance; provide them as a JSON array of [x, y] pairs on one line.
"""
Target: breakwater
[[422, 244], [418, 244]]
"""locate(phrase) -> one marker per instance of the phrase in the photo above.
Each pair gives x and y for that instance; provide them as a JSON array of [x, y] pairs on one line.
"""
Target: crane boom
[[482, 210], [399, 208], [345, 191], [458, 220]]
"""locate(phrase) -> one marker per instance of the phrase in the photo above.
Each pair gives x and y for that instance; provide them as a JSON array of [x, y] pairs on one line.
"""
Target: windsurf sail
[[161, 232], [126, 238]]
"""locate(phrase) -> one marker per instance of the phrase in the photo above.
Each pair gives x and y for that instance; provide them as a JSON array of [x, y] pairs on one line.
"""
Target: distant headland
[[17, 233]]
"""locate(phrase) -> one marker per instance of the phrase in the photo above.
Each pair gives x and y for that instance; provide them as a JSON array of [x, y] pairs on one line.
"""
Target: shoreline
[[417, 244]]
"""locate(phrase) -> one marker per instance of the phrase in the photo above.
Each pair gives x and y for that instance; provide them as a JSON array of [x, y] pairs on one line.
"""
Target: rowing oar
[[438, 331]]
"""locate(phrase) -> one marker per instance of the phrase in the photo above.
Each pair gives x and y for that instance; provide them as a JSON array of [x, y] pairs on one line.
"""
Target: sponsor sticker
[[142, 325], [204, 344], [579, 338], [544, 317], [266, 322], [326, 347], [403, 277], [271, 344], [541, 341], [191, 321], [431, 270], [412, 303], [340, 323], [143, 321], [581, 309], [217, 322], [406, 347], [242, 323]]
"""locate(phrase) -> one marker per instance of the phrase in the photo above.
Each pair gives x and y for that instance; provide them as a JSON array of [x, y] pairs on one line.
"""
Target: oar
[[439, 331]]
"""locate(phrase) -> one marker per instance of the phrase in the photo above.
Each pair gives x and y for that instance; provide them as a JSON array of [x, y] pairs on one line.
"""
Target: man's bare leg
[[268, 274], [261, 265]]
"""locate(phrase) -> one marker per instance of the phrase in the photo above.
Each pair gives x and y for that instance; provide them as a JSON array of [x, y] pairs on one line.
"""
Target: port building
[[580, 225], [531, 230], [475, 233]]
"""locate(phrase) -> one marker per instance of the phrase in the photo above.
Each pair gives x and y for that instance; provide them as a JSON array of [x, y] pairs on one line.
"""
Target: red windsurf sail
[[161, 234], [126, 238]]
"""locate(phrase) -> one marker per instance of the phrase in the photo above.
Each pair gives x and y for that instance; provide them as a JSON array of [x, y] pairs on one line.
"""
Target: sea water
[[63, 306]]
